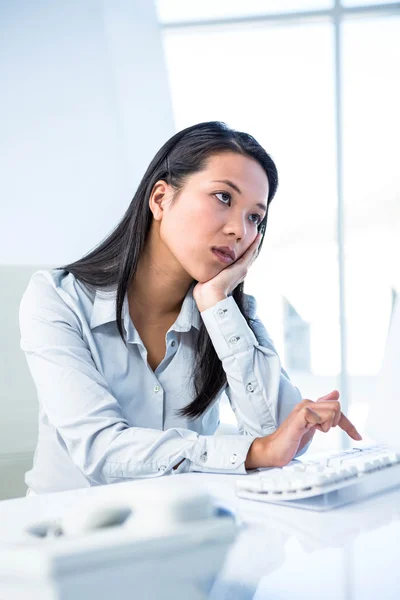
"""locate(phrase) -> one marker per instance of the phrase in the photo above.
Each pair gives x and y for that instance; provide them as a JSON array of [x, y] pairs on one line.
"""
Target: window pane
[[182, 10], [277, 84], [371, 133]]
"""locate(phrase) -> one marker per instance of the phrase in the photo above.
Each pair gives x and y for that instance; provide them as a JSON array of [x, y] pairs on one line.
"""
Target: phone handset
[[161, 512]]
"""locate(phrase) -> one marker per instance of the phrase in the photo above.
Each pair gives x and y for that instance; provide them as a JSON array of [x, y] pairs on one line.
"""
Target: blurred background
[[92, 89]]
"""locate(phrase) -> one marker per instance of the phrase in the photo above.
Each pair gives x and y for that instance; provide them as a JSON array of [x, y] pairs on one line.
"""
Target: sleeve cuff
[[221, 454], [227, 328]]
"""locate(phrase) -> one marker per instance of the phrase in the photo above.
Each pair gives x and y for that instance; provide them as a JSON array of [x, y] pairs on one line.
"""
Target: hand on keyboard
[[280, 447]]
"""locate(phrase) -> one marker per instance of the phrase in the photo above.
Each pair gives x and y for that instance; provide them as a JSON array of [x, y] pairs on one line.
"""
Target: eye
[[257, 220], [226, 198]]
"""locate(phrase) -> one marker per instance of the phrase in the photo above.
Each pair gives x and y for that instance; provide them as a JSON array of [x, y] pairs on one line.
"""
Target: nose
[[236, 226]]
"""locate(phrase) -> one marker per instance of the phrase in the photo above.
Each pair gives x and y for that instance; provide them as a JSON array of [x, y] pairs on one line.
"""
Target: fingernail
[[359, 436]]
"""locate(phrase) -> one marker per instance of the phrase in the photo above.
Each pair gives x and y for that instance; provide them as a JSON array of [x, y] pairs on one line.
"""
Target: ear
[[158, 198]]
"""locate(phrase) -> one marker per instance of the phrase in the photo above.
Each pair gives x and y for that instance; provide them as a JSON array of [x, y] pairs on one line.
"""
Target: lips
[[224, 254], [226, 250]]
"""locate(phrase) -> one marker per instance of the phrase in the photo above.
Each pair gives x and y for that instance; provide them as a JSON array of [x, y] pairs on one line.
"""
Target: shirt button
[[220, 312], [203, 457], [233, 458], [162, 468], [156, 388], [249, 387], [234, 340], [173, 344]]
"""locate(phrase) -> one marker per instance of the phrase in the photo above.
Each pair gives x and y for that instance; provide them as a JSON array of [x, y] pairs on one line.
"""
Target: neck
[[160, 284]]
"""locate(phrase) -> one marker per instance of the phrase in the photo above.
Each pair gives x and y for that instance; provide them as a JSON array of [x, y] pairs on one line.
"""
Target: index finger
[[348, 427]]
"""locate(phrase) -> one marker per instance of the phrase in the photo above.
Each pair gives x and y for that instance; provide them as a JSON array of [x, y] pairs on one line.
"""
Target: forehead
[[245, 172]]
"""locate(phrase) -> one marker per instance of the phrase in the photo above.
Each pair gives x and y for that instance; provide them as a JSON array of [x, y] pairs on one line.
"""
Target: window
[[330, 249]]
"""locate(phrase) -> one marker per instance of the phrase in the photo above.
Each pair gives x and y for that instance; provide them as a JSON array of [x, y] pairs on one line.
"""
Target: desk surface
[[351, 553]]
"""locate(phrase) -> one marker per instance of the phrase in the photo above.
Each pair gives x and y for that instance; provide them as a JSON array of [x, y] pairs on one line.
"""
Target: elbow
[[94, 458], [94, 467], [101, 469]]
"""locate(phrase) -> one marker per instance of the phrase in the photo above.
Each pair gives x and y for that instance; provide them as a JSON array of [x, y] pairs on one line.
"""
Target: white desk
[[351, 553]]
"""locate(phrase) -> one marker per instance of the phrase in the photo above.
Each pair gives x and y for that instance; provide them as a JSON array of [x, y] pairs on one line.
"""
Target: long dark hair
[[114, 261]]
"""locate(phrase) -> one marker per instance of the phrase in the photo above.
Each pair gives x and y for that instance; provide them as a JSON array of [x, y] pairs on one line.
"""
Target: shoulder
[[46, 280], [49, 288]]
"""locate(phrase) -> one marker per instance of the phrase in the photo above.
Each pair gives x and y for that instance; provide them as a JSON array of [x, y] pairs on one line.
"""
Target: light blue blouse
[[105, 416]]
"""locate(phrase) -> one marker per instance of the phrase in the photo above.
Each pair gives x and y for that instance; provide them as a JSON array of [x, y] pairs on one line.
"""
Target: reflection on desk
[[286, 553], [350, 553]]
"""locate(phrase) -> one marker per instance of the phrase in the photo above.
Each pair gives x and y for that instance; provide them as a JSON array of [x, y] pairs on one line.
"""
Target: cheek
[[189, 227], [176, 232], [189, 238]]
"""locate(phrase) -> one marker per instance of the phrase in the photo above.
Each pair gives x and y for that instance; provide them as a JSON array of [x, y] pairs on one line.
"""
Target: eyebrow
[[235, 187]]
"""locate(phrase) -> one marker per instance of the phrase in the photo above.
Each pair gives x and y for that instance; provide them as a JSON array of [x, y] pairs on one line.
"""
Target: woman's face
[[218, 207]]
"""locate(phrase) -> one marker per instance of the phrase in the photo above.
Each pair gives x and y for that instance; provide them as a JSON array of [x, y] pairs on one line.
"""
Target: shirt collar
[[189, 315], [104, 307]]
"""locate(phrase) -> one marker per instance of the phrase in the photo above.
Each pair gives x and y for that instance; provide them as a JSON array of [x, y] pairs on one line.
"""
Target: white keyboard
[[327, 482]]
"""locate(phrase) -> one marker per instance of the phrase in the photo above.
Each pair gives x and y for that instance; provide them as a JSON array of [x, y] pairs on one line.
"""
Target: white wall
[[84, 106]]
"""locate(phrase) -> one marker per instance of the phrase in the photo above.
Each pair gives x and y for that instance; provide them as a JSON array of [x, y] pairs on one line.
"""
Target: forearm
[[261, 452], [252, 461], [258, 389]]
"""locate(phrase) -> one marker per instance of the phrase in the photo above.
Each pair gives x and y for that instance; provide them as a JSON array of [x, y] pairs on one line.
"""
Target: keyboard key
[[293, 468], [315, 468]]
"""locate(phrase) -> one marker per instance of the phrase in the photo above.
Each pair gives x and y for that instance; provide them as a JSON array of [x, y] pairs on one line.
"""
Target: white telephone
[[163, 543]]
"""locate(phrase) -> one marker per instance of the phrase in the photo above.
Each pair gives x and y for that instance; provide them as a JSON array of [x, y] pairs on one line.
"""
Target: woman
[[132, 346]]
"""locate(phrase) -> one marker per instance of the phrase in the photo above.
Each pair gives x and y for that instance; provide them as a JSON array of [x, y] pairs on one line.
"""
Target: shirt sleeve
[[88, 418], [259, 389]]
